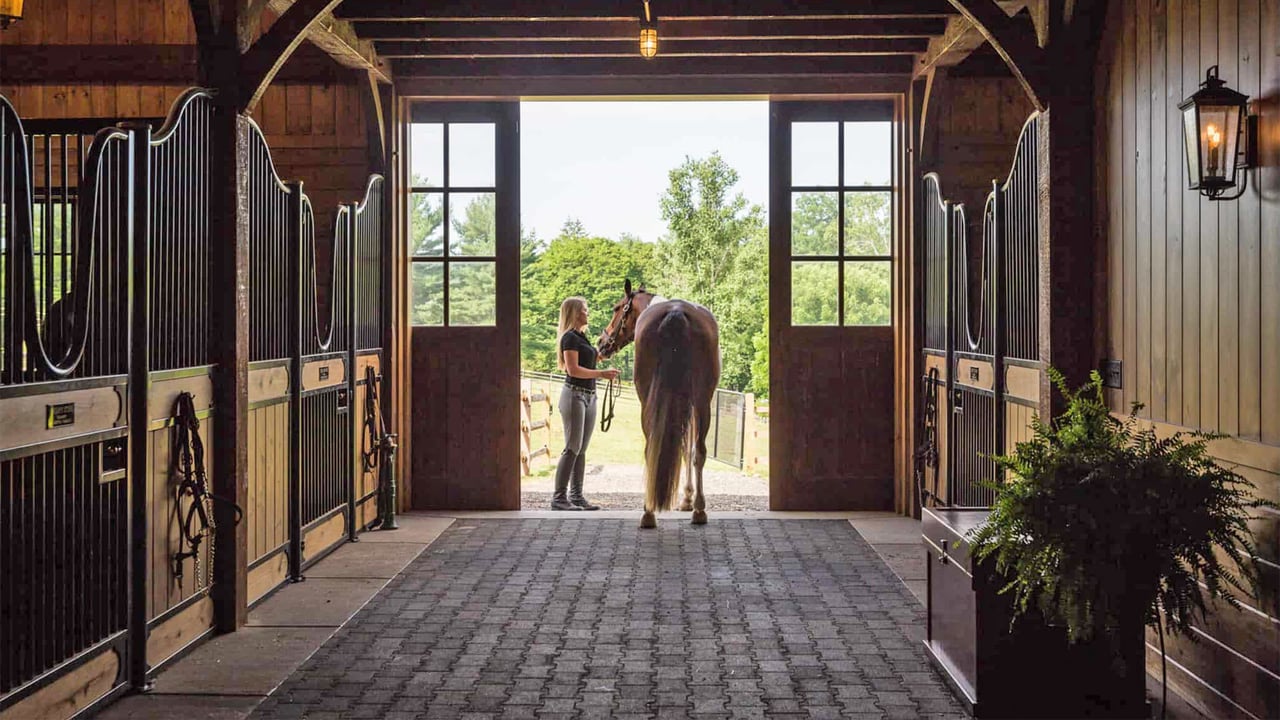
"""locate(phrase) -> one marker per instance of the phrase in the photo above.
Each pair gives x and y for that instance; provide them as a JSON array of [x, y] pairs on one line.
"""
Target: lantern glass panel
[[1219, 130], [1191, 144]]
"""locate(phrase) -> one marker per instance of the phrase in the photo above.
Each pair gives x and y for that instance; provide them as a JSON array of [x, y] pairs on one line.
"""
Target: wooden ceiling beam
[[338, 38], [959, 40], [627, 48], [1014, 41], [259, 65], [689, 87], [638, 66], [408, 10], [167, 64], [705, 29]]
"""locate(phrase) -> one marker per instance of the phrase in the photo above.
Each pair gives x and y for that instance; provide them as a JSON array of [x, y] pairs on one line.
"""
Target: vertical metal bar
[[999, 319], [349, 261], [138, 279], [294, 269], [950, 228]]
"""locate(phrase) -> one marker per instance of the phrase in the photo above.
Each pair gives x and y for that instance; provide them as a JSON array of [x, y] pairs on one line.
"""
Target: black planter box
[[1029, 671]]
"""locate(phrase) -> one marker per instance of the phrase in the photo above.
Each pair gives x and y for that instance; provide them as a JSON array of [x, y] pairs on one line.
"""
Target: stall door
[[833, 211], [463, 230]]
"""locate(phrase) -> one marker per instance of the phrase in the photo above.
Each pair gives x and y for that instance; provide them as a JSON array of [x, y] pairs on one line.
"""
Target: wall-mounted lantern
[[1221, 137], [10, 10], [648, 33]]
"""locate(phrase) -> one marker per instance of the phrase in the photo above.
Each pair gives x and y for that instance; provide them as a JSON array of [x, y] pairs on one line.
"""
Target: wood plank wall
[[979, 120], [316, 132], [1192, 290]]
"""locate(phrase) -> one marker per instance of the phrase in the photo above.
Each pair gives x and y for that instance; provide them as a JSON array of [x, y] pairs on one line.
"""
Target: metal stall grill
[[981, 334], [326, 468], [370, 280], [65, 498], [273, 257]]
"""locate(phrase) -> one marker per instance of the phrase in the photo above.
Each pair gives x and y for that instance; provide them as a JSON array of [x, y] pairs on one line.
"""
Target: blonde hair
[[570, 310]]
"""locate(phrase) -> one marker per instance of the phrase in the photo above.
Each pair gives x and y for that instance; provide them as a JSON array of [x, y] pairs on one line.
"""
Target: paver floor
[[540, 619]]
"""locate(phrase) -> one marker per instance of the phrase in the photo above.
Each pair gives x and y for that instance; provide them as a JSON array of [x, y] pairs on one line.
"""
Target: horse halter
[[610, 338]]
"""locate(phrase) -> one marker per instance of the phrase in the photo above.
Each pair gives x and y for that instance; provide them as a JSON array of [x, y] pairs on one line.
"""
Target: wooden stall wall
[[1192, 291], [971, 129]]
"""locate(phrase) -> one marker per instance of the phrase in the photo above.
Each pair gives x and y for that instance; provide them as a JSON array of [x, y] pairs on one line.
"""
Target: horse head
[[621, 329]]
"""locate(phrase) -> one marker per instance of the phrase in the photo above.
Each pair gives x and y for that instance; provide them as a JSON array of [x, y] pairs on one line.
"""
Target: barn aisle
[[541, 617]]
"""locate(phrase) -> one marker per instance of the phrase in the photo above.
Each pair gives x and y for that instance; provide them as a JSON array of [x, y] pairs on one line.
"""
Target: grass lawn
[[622, 445]]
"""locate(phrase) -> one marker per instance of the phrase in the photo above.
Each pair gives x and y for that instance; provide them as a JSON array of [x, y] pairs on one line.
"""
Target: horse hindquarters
[[667, 408]]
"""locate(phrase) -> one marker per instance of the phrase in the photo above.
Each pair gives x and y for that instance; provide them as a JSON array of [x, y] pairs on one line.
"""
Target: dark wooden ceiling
[[705, 46]]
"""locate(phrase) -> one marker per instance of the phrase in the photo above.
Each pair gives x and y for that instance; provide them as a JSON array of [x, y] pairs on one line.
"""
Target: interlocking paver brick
[[548, 619]]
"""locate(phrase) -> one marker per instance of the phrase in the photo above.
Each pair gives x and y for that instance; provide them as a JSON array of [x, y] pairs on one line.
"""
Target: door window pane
[[472, 224], [814, 293], [426, 224], [868, 153], [426, 155], [867, 223], [426, 287], [815, 223], [471, 155], [868, 292], [815, 153], [473, 290]]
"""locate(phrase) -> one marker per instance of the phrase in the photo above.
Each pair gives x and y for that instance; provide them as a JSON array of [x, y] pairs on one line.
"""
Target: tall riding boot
[[575, 486], [564, 469]]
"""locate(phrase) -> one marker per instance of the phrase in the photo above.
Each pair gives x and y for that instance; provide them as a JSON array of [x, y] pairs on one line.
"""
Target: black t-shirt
[[575, 340]]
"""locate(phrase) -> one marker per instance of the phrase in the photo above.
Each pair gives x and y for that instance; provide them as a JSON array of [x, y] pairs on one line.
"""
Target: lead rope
[[927, 453], [612, 391], [194, 484]]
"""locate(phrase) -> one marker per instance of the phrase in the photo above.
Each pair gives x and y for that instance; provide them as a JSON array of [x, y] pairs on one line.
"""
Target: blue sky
[[606, 162]]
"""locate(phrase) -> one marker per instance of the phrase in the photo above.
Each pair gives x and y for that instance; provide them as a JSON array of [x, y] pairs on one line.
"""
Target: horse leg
[[698, 458], [648, 521], [686, 504]]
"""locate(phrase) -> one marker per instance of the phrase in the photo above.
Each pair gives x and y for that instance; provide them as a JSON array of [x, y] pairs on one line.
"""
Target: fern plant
[[1100, 522]]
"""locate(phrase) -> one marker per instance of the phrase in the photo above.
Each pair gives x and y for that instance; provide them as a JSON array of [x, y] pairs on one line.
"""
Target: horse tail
[[668, 409]]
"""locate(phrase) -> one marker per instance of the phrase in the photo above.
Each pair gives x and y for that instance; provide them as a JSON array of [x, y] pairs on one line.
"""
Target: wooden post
[[1070, 279], [220, 54], [230, 312]]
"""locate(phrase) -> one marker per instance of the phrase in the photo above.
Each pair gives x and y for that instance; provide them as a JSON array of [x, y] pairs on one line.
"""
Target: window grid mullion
[[444, 221], [840, 223]]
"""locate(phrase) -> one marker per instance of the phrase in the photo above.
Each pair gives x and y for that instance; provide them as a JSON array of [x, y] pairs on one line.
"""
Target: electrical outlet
[[1112, 374]]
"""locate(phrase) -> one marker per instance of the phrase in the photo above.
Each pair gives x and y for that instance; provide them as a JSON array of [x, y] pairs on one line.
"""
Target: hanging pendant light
[[10, 10], [648, 33]]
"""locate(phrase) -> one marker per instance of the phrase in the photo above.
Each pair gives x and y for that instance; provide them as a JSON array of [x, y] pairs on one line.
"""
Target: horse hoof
[[648, 522], [699, 517], [685, 506]]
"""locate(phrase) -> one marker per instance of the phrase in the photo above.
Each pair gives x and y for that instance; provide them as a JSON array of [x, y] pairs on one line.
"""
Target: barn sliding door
[[464, 285], [832, 234]]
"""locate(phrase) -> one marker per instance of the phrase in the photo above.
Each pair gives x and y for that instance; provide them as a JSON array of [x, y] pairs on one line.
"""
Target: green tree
[[715, 254], [576, 263], [815, 220], [426, 238]]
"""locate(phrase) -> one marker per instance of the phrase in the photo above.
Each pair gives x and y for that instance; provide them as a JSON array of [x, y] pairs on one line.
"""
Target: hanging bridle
[[197, 522]]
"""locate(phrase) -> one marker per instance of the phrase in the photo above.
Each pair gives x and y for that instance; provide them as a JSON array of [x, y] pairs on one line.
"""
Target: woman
[[577, 359]]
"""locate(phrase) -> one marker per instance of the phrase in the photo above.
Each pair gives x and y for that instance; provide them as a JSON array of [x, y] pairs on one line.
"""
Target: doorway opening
[[783, 218], [671, 195]]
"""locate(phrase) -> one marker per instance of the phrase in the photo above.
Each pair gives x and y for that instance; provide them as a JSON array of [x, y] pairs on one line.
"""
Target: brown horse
[[676, 373]]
